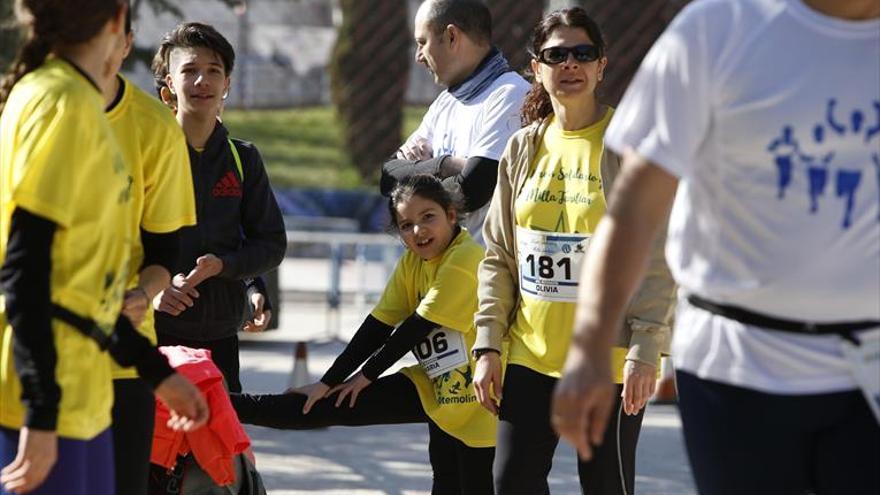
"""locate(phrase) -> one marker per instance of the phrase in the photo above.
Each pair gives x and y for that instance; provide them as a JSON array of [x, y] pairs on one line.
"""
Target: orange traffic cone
[[299, 376], [666, 392]]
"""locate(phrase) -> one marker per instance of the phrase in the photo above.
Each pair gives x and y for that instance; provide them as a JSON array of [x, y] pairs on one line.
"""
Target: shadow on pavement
[[394, 459]]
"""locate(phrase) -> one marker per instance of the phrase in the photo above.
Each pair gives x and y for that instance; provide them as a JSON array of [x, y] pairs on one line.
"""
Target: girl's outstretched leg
[[391, 399]]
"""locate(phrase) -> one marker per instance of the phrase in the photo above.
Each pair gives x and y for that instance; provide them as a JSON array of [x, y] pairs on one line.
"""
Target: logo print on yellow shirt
[[125, 194], [452, 387]]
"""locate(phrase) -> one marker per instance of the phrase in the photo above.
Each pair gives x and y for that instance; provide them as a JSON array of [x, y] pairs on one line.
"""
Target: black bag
[[188, 478]]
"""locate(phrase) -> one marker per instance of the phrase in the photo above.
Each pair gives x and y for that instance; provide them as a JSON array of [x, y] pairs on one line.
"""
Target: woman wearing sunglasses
[[549, 198]]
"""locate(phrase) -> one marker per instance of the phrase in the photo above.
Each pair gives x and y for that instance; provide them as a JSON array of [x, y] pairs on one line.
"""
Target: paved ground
[[393, 459]]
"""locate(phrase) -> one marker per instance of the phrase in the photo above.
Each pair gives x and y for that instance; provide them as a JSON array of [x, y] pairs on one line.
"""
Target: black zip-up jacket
[[240, 223]]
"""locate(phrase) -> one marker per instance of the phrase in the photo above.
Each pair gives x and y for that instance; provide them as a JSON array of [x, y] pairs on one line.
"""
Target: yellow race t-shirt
[[162, 199], [58, 160], [444, 291], [557, 211]]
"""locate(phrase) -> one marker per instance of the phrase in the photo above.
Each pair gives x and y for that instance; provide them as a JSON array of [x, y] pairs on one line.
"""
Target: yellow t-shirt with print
[[58, 160], [444, 291], [162, 198], [557, 211]]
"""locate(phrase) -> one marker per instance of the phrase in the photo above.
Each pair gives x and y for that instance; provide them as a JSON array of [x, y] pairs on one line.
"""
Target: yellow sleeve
[[452, 298], [398, 300], [169, 198], [51, 151]]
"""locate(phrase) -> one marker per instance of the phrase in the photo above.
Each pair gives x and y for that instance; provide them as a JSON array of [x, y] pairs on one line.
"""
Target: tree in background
[[512, 24], [630, 29], [369, 72], [9, 35]]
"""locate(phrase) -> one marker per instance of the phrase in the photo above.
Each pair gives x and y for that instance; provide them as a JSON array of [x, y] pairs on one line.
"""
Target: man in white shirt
[[463, 134], [764, 116]]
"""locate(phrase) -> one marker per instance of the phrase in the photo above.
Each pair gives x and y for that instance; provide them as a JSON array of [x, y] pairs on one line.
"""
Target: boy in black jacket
[[240, 232]]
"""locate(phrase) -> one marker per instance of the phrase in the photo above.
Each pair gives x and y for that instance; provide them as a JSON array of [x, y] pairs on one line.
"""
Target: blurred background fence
[[335, 80], [327, 89]]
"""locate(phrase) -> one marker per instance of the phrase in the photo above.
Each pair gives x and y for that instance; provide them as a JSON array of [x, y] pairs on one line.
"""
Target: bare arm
[[153, 280], [639, 205]]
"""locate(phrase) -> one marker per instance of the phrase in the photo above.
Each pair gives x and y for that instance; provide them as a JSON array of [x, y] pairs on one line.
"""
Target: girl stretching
[[430, 299]]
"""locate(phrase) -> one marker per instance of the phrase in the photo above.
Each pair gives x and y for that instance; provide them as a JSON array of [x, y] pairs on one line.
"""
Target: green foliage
[[512, 24], [368, 74], [303, 147], [9, 35]]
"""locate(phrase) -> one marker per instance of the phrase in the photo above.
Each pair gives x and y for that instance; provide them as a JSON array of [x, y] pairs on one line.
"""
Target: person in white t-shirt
[[465, 130], [760, 119]]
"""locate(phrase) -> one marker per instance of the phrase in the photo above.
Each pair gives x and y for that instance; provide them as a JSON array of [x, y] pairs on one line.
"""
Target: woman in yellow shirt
[[549, 198], [162, 203], [65, 243], [431, 299]]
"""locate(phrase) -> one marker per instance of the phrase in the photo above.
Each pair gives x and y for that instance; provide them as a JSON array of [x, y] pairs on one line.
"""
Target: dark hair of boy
[[196, 35]]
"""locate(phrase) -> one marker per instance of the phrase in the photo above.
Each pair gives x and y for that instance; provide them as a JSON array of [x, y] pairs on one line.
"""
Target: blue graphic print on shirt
[[790, 157], [447, 146]]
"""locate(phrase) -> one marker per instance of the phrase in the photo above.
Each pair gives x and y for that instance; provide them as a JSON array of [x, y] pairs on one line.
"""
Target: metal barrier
[[390, 248]]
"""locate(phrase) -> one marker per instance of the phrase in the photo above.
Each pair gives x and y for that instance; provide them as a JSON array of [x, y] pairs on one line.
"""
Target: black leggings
[[526, 441], [133, 417], [224, 354], [745, 441], [458, 469]]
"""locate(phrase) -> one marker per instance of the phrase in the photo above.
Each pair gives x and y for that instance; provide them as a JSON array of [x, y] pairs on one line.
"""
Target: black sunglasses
[[559, 54]]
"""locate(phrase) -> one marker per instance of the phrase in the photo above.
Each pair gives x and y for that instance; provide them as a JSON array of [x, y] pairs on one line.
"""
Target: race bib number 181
[[550, 264]]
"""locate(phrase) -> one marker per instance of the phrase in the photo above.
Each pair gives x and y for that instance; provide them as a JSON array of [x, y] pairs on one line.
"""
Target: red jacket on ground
[[220, 440]]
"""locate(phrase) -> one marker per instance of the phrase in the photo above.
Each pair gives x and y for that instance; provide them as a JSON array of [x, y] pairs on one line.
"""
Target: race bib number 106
[[441, 351], [550, 264]]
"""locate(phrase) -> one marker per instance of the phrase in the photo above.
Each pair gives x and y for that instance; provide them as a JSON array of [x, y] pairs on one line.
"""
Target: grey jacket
[[647, 325]]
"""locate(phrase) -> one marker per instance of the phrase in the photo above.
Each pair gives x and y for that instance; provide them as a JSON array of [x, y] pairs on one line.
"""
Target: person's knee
[[445, 483], [510, 476], [523, 459], [446, 475], [512, 485], [475, 466]]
